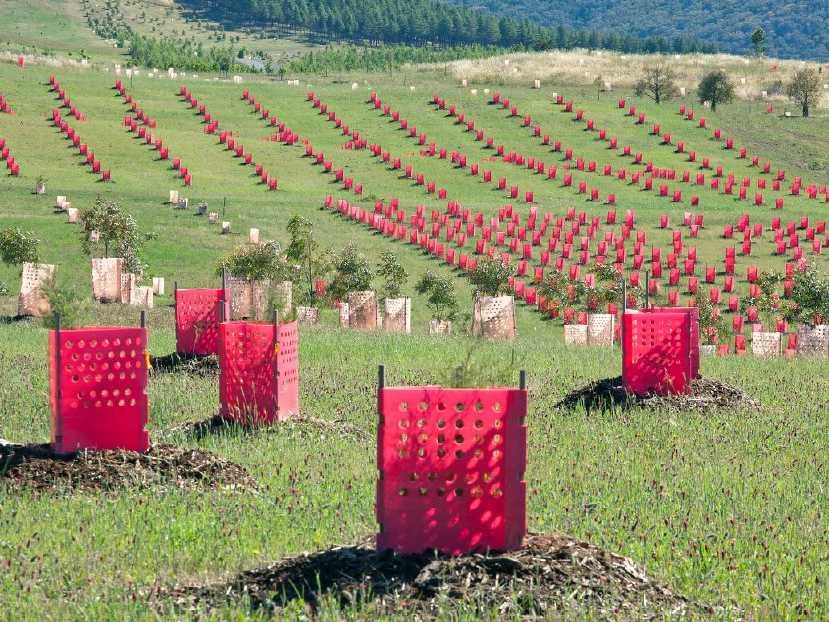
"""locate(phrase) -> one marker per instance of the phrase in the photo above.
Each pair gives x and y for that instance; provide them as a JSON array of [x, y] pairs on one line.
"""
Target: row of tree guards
[[142, 125], [622, 174], [226, 137], [546, 290], [812, 190], [71, 134], [451, 461], [98, 376], [12, 165]]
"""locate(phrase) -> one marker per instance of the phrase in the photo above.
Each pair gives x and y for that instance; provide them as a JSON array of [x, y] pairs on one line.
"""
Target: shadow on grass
[[15, 319]]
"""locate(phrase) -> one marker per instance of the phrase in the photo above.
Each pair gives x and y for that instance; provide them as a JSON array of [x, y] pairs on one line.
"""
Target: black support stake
[[381, 377], [59, 420], [647, 289]]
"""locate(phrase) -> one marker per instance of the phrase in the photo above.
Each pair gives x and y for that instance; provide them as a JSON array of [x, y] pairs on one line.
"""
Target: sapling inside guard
[[259, 371], [660, 350], [198, 313], [451, 468], [98, 382]]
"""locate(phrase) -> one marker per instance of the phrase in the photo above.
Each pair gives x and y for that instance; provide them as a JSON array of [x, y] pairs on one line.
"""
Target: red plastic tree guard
[[198, 313], [660, 350], [451, 465], [98, 380], [258, 371]]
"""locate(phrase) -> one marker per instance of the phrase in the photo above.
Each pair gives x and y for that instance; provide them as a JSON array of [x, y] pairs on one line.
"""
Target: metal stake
[[647, 289], [58, 419]]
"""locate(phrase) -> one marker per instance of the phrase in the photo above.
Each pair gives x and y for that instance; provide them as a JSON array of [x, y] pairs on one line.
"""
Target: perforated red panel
[[287, 370], [98, 380], [253, 387], [451, 465], [694, 339], [658, 351], [197, 320]]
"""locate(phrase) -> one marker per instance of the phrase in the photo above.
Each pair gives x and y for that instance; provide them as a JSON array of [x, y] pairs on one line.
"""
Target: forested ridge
[[420, 22], [795, 28]]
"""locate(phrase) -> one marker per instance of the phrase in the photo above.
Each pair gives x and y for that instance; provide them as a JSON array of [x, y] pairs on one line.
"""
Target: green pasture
[[726, 507]]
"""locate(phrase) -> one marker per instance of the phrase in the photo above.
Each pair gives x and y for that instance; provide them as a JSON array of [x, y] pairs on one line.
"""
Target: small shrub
[[554, 287], [712, 326], [67, 302], [18, 247], [257, 262], [473, 373], [352, 273], [312, 262], [277, 303], [810, 297], [393, 273], [440, 296], [768, 302], [490, 277], [117, 233]]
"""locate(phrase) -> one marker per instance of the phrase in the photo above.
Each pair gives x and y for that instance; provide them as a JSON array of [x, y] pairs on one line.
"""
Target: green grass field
[[52, 27], [725, 507]]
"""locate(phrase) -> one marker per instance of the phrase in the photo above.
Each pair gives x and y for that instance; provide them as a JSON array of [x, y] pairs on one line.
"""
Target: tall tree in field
[[305, 250], [758, 40], [716, 88], [658, 82], [805, 89]]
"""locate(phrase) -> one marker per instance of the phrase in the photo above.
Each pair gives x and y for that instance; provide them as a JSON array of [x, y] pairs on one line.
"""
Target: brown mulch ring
[[552, 574], [705, 394], [185, 363], [37, 467], [218, 425]]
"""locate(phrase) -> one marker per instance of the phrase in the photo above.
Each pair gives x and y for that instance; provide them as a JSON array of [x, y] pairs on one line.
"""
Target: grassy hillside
[[727, 507], [51, 27], [795, 30]]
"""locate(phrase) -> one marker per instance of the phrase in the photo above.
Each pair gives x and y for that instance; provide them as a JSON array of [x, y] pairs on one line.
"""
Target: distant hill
[[795, 28], [418, 22]]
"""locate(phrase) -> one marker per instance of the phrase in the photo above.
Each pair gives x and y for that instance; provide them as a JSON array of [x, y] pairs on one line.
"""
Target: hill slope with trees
[[795, 29], [418, 22]]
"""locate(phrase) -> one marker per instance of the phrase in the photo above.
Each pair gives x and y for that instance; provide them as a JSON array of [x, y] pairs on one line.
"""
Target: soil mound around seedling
[[551, 574], [185, 364], [706, 394], [38, 467]]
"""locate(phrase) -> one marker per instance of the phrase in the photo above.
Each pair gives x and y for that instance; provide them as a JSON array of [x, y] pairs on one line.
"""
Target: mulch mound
[[185, 363], [551, 574], [38, 467], [706, 394]]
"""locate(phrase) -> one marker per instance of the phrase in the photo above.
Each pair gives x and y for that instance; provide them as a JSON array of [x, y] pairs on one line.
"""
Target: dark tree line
[[382, 58], [182, 54], [791, 29], [420, 22]]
